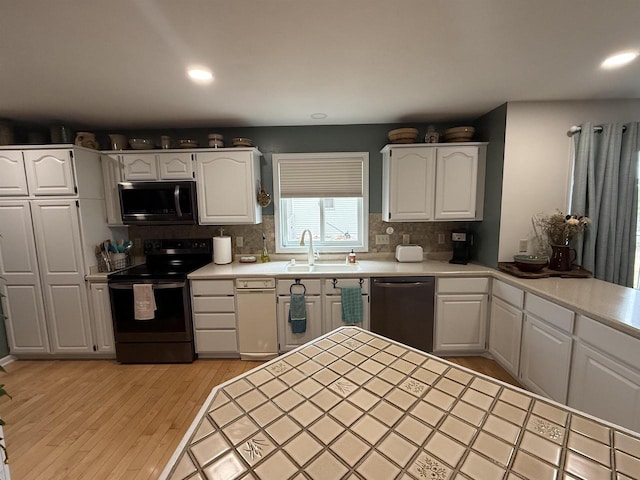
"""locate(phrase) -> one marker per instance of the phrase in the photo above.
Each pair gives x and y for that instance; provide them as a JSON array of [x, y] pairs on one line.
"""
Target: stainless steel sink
[[322, 267]]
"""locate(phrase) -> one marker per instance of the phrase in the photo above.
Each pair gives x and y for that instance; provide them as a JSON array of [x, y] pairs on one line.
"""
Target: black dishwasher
[[402, 310]]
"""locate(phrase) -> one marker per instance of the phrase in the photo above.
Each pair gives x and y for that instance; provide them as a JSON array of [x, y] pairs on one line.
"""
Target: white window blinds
[[321, 175]]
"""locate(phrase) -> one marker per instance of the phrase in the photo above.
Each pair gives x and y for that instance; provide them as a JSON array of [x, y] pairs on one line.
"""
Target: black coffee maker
[[461, 240]]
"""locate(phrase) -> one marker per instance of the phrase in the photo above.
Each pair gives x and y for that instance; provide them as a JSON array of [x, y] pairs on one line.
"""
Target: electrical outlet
[[239, 241], [523, 245], [405, 238], [382, 239], [441, 239]]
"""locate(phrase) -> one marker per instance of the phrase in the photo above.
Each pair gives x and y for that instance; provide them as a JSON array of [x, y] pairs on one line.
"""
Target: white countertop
[[613, 305]]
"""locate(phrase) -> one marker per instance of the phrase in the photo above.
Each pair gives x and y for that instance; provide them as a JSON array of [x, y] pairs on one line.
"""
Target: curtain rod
[[575, 129]]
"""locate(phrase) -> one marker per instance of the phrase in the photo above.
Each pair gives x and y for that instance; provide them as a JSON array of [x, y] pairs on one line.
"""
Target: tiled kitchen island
[[354, 405]]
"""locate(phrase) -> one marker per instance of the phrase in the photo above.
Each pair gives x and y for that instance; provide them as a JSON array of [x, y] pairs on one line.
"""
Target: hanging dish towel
[[351, 298], [144, 301], [298, 313]]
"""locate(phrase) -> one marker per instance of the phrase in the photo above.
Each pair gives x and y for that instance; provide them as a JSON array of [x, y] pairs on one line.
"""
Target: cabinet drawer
[[463, 285], [556, 315], [313, 286], [508, 293], [614, 343], [331, 289], [216, 341], [214, 320], [213, 304], [212, 287]]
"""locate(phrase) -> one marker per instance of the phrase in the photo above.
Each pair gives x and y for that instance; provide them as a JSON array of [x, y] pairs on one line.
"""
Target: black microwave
[[158, 203]]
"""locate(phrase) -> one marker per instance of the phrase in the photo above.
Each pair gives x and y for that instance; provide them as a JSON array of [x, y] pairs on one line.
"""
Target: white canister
[[222, 250]]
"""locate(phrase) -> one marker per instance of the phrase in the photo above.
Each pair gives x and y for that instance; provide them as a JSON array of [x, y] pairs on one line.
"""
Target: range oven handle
[[156, 286], [176, 200]]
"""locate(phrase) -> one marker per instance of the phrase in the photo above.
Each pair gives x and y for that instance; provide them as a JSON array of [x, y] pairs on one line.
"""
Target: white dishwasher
[[257, 324]]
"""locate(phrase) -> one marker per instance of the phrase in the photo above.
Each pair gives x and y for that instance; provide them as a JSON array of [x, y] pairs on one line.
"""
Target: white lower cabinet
[[505, 325], [461, 315], [545, 359], [505, 335], [332, 303], [287, 340], [214, 317], [102, 322], [605, 374]]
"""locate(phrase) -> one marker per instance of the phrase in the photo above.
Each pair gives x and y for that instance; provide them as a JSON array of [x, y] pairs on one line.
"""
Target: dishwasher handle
[[401, 284]]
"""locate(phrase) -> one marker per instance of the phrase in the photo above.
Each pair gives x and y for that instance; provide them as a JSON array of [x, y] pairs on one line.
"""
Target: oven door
[[172, 321]]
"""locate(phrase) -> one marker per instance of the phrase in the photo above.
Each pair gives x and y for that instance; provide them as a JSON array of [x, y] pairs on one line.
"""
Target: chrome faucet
[[310, 254]]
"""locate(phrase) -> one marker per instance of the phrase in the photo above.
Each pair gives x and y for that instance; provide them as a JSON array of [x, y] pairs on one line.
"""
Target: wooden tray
[[576, 272]]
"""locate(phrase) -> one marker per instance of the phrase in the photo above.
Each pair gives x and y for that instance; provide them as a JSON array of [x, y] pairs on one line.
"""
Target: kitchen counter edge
[[612, 305]]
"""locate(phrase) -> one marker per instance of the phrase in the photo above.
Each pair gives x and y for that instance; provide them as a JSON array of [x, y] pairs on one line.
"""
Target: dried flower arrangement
[[559, 228]]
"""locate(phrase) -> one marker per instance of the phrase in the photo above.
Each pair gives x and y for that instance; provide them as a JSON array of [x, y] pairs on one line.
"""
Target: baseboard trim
[[4, 361]]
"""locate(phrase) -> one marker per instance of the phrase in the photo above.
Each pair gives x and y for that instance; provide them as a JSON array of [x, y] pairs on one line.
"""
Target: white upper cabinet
[[142, 166], [228, 182], [157, 166], [407, 185], [111, 175], [13, 178], [50, 172], [433, 182], [175, 166], [456, 183]]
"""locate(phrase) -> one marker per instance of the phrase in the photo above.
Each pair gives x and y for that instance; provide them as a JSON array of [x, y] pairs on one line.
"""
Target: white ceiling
[[121, 63]]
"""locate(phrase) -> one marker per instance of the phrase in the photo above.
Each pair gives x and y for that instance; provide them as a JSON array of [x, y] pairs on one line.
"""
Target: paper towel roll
[[222, 250]]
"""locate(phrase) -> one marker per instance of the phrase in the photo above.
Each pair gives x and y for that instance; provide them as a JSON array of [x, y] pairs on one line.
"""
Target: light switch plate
[[239, 241], [382, 239], [405, 239], [523, 245]]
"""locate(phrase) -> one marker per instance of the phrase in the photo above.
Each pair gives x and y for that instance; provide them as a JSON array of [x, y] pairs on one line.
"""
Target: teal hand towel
[[351, 298], [298, 313]]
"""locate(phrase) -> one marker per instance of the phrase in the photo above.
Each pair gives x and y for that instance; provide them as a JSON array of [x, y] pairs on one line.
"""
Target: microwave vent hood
[[158, 203]]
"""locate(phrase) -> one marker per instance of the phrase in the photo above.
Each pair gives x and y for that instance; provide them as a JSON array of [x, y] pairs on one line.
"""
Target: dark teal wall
[[491, 128], [331, 138]]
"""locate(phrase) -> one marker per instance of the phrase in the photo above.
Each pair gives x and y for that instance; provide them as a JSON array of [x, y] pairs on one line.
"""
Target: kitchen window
[[325, 193]]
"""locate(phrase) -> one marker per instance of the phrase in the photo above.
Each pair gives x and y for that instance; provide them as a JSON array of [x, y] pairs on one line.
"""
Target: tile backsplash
[[424, 234]]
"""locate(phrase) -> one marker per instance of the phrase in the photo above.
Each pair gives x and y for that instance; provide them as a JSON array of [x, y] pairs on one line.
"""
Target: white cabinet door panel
[[412, 173], [287, 340], [13, 178], [227, 187], [139, 167], [58, 239], [111, 175], [332, 313], [18, 262], [26, 327], [50, 172], [175, 166], [67, 318], [545, 359], [456, 179], [604, 387], [102, 320], [505, 334], [460, 322], [59, 246]]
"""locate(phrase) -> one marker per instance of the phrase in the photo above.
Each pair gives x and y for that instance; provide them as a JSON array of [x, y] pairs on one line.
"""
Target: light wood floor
[[100, 420]]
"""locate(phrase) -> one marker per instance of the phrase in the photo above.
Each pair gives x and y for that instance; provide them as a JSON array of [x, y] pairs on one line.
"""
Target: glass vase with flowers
[[558, 230]]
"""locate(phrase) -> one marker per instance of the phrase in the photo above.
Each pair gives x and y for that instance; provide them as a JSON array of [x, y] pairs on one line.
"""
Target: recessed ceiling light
[[619, 59], [200, 74], [319, 116]]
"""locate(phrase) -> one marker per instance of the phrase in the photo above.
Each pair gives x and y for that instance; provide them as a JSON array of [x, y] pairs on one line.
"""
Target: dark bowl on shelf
[[530, 263]]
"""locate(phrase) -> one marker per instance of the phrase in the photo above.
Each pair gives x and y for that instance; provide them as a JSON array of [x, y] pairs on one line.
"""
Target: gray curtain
[[605, 189]]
